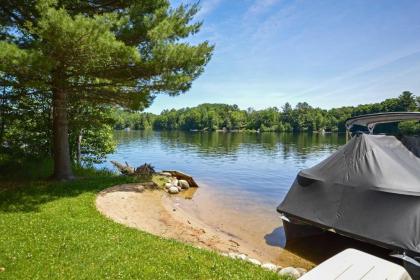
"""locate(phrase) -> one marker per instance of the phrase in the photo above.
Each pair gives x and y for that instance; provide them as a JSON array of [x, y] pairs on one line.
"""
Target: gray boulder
[[237, 256], [271, 267], [183, 184], [254, 261], [291, 271], [301, 271], [173, 190]]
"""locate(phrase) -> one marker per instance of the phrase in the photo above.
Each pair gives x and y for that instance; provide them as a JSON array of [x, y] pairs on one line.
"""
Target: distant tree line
[[25, 122], [301, 118]]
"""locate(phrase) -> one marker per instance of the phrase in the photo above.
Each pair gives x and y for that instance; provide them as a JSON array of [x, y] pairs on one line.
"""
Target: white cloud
[[207, 6], [260, 6]]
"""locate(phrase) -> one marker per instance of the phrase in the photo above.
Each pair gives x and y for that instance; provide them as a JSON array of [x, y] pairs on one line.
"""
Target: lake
[[257, 167], [242, 176]]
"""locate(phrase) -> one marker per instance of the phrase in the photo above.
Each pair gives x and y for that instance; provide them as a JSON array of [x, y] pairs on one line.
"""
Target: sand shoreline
[[174, 217]]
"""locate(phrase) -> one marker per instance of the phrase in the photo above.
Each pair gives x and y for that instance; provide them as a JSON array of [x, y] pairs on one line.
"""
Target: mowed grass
[[51, 230]]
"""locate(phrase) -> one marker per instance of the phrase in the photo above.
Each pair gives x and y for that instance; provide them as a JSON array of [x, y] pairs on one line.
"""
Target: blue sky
[[327, 53]]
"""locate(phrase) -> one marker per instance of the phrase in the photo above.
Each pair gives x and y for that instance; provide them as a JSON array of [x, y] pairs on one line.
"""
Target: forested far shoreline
[[300, 118], [25, 127]]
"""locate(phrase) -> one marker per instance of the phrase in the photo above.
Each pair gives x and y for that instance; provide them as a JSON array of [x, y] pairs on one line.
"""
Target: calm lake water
[[247, 168]]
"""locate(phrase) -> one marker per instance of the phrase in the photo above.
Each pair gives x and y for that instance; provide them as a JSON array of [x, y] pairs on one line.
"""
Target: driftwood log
[[124, 169], [143, 170], [148, 170], [182, 176]]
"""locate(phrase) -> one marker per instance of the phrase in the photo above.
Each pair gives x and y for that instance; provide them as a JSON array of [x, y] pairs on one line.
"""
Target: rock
[[168, 185], [175, 181], [301, 270], [290, 271], [183, 184], [237, 256], [166, 174], [232, 255], [173, 190], [254, 261], [242, 257], [270, 266]]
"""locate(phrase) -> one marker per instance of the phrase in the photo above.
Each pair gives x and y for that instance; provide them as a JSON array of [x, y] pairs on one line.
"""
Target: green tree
[[101, 52], [90, 132]]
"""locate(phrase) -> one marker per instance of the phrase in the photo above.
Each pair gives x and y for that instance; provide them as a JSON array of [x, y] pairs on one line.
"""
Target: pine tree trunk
[[62, 163]]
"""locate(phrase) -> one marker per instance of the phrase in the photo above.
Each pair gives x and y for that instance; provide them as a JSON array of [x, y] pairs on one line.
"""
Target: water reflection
[[286, 145]]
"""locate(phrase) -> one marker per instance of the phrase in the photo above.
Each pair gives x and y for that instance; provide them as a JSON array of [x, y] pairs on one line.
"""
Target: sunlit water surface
[[248, 168]]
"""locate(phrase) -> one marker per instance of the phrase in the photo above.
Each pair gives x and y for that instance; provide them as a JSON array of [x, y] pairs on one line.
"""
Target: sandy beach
[[201, 221]]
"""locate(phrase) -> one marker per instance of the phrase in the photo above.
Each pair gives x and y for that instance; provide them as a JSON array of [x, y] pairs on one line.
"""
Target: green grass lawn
[[53, 231]]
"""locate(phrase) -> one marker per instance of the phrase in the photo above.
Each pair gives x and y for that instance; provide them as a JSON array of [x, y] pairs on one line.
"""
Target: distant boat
[[368, 190]]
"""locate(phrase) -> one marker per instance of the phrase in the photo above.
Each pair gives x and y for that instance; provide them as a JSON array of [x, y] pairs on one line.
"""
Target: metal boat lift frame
[[371, 120]]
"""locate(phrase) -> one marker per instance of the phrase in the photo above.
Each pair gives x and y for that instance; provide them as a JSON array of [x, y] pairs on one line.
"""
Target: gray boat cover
[[370, 188]]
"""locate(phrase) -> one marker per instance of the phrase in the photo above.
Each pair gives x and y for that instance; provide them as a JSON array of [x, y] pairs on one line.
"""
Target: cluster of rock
[[290, 271], [173, 185]]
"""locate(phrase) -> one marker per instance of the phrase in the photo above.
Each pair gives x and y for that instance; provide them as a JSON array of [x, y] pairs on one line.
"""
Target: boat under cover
[[369, 189]]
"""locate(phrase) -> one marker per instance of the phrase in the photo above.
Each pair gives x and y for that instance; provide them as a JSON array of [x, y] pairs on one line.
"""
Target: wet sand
[[200, 217]]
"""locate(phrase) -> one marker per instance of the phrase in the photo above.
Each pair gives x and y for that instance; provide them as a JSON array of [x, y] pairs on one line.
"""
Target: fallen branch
[[143, 170], [124, 169]]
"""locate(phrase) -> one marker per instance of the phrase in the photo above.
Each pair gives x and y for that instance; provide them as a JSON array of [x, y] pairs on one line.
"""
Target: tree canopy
[[65, 54]]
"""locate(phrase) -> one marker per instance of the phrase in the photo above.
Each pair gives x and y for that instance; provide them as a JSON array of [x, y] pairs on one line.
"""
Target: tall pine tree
[[99, 51]]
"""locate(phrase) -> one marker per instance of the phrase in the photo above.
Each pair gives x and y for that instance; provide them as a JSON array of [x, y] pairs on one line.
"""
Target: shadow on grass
[[24, 184]]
